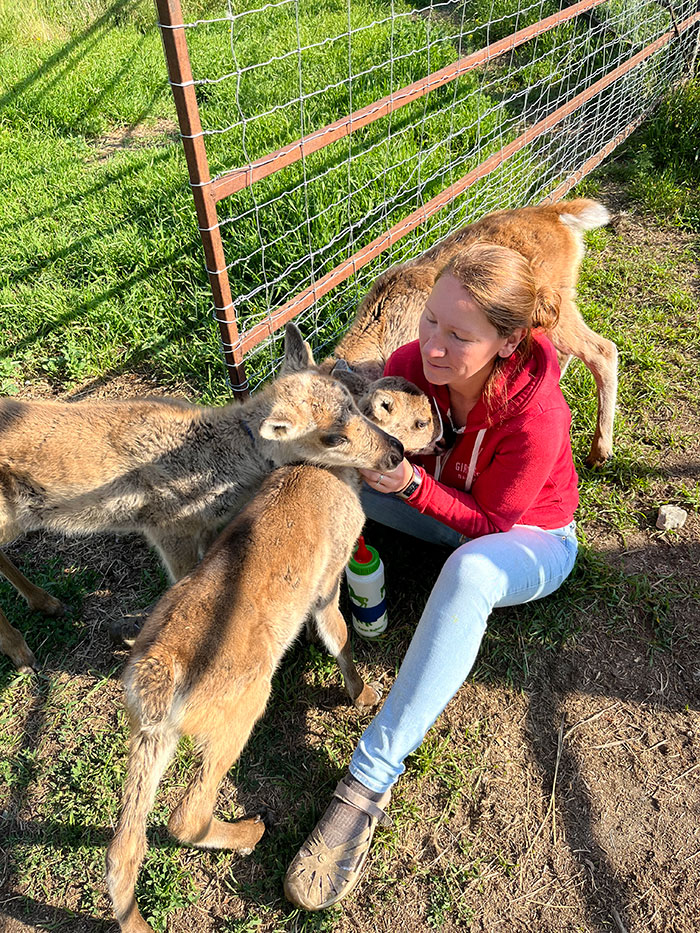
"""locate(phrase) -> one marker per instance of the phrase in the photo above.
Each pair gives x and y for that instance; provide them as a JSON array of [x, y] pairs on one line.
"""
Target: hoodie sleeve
[[505, 489]]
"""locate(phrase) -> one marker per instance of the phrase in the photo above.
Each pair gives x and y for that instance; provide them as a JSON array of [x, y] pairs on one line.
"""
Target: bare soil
[[134, 137]]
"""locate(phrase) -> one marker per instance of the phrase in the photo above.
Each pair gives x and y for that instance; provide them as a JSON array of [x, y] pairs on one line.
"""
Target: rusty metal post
[[177, 57]]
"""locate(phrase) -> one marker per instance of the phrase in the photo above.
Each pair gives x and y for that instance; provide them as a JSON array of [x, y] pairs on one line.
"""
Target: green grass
[[660, 166], [101, 274], [102, 266]]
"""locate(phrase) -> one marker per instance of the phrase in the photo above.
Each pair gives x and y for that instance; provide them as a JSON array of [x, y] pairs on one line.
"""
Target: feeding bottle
[[365, 576]]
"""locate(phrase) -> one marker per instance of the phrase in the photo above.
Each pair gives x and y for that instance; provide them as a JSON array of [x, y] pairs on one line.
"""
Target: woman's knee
[[471, 574], [469, 585]]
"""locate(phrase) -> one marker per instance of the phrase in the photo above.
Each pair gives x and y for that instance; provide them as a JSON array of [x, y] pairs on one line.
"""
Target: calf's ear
[[376, 404], [285, 423], [297, 352]]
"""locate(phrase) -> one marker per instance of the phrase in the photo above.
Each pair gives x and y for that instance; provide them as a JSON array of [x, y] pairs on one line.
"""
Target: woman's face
[[457, 340]]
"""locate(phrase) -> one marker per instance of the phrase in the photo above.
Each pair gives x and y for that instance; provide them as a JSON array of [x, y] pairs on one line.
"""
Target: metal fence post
[[177, 57]]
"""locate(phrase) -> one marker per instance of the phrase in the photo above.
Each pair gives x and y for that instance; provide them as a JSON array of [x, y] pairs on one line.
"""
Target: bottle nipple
[[362, 555]]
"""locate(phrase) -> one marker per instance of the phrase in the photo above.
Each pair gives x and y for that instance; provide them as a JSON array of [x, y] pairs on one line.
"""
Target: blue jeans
[[505, 569]]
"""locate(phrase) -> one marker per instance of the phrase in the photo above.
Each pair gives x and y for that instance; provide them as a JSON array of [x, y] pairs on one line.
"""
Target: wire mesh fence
[[326, 142]]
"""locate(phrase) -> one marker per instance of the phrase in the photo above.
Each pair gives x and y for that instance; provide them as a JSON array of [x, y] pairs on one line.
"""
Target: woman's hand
[[393, 481]]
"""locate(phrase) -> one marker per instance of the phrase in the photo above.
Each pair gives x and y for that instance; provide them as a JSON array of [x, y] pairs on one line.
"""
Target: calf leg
[[192, 821], [334, 634], [573, 336], [15, 647], [564, 360], [38, 599], [179, 552], [11, 642]]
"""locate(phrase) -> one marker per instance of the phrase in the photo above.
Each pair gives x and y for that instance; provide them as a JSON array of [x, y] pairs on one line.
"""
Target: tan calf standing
[[203, 663], [173, 471], [551, 238]]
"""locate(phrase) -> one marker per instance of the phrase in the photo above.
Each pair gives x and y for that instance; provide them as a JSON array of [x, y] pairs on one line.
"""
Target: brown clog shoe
[[321, 875]]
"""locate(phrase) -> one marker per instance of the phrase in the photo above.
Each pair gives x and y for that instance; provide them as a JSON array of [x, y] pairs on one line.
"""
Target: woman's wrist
[[413, 484]]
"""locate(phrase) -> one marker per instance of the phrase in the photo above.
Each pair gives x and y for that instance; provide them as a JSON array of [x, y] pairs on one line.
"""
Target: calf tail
[[583, 214], [149, 754], [149, 684]]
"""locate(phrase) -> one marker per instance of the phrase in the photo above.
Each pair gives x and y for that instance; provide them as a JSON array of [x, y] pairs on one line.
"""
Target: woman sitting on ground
[[503, 498]]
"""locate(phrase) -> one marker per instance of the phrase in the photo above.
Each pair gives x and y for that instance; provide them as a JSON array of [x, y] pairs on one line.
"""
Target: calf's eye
[[333, 440]]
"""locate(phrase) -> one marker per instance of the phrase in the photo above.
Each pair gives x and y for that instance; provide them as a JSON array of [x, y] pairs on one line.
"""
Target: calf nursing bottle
[[365, 576]]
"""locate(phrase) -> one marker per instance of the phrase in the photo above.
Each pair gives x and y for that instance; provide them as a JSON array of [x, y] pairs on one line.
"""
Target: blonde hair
[[502, 284]]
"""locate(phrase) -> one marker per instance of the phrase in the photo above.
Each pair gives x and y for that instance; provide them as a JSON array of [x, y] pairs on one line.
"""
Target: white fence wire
[[270, 75]]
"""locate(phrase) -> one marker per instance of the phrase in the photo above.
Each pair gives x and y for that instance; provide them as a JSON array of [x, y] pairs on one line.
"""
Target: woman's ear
[[512, 342]]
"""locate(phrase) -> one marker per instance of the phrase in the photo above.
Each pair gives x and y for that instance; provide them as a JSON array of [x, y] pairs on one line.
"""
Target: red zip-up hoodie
[[510, 464]]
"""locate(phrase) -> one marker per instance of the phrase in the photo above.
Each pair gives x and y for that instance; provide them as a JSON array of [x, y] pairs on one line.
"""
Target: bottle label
[[369, 614], [367, 602], [370, 629]]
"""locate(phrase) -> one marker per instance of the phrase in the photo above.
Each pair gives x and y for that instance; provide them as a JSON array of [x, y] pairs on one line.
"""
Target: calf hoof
[[371, 695], [29, 666], [268, 817], [595, 459], [48, 605], [123, 632], [249, 832], [18, 652]]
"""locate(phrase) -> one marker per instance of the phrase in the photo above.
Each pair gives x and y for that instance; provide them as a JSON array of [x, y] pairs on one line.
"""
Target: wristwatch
[[413, 484]]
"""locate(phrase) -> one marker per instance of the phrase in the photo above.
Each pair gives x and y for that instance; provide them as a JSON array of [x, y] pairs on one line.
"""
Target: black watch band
[[413, 484]]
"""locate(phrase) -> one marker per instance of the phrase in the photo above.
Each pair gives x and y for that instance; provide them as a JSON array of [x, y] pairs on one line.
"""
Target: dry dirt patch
[[134, 137]]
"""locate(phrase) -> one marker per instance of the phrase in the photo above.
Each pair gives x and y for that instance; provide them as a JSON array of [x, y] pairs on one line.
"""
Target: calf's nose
[[396, 453]]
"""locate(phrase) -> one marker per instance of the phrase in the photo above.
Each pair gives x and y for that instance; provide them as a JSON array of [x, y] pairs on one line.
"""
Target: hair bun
[[547, 305]]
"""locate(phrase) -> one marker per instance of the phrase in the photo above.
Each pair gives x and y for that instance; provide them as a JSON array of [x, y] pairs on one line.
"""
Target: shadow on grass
[[111, 176], [266, 775], [263, 777], [132, 359], [28, 910], [622, 474], [286, 765], [61, 62]]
